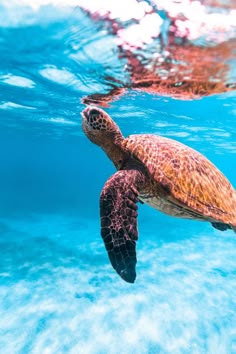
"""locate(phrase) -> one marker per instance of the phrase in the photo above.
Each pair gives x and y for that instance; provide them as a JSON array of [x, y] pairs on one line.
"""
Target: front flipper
[[118, 211]]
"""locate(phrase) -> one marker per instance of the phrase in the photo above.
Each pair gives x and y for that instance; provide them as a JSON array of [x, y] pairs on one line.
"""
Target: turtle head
[[103, 131], [99, 127]]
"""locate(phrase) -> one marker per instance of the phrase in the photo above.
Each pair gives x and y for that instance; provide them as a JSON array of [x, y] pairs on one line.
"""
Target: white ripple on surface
[[64, 77], [59, 120], [19, 81], [61, 76], [137, 34], [124, 11], [12, 105]]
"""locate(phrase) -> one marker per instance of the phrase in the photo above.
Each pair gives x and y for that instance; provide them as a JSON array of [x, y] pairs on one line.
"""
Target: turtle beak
[[85, 114]]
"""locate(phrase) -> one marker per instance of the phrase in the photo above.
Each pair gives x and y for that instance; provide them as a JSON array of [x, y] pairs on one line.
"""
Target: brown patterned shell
[[189, 178]]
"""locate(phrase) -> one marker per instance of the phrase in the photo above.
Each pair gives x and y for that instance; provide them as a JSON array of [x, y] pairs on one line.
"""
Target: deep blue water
[[58, 291]]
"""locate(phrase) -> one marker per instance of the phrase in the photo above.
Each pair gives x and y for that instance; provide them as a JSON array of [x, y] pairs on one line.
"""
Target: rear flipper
[[222, 227]]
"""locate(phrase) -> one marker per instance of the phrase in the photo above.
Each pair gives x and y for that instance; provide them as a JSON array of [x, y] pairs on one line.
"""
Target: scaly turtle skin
[[161, 172]]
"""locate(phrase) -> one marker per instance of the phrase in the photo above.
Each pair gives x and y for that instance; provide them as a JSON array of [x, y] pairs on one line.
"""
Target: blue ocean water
[[58, 291]]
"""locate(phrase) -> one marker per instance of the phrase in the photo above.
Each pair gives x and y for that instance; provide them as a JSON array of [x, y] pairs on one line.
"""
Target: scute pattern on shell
[[189, 179]]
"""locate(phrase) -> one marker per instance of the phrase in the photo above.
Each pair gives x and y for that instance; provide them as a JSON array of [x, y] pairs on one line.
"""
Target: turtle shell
[[189, 179]]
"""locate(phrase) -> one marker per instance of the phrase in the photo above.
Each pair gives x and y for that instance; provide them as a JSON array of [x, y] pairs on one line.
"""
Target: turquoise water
[[58, 291]]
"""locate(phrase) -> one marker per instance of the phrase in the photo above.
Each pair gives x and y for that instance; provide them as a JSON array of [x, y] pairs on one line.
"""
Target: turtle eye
[[94, 112], [93, 115]]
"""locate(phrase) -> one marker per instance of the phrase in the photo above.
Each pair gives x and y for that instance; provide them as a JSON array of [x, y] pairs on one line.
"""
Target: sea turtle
[[161, 172]]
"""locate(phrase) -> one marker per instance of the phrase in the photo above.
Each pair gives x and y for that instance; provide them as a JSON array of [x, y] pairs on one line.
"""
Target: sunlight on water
[[160, 67]]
